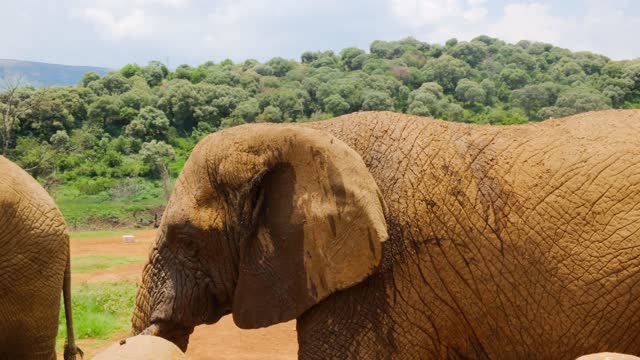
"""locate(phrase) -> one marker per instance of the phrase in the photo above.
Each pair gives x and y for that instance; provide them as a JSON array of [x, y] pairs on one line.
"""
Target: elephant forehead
[[195, 202], [202, 216]]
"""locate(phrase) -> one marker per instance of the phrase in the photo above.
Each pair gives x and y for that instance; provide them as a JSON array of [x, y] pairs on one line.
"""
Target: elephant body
[[519, 242], [34, 268], [505, 242]]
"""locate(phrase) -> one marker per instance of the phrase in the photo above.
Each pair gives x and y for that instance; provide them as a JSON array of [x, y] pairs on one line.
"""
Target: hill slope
[[44, 74]]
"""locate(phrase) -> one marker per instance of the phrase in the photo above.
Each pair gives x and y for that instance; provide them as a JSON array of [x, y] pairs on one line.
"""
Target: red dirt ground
[[222, 340]]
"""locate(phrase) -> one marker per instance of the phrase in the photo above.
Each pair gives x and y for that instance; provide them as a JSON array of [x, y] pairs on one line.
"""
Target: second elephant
[[34, 269], [395, 236]]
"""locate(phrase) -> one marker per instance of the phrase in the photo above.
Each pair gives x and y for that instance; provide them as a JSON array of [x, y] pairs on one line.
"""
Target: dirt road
[[222, 340]]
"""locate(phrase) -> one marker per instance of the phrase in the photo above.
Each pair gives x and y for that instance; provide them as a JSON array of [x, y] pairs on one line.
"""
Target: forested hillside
[[44, 74], [109, 147]]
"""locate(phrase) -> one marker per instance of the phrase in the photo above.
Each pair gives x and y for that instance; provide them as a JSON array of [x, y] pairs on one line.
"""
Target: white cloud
[[133, 25], [174, 3], [261, 29], [121, 19], [610, 29], [232, 25], [430, 12], [196, 31], [532, 21], [475, 14], [115, 4]]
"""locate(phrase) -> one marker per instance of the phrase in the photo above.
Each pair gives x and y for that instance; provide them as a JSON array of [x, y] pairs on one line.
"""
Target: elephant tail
[[70, 349]]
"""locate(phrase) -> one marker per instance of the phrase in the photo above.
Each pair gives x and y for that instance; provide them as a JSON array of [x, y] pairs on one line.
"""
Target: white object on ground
[[128, 238]]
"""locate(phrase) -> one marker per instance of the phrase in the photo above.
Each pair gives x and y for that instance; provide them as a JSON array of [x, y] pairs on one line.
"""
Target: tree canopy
[[142, 120]]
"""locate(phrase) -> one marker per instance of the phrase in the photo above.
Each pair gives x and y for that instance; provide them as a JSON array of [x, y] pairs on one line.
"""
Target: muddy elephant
[[142, 347], [34, 269], [395, 236]]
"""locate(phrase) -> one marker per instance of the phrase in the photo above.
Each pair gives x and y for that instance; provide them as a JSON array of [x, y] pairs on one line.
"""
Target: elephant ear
[[319, 223]]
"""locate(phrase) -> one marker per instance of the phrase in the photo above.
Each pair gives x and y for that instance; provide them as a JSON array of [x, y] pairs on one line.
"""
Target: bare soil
[[222, 340]]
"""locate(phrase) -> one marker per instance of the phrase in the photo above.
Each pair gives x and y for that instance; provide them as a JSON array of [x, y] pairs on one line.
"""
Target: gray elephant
[[34, 269], [396, 236]]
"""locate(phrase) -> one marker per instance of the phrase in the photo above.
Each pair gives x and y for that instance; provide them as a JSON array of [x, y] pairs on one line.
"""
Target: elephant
[[608, 356], [396, 236], [142, 347], [34, 269]]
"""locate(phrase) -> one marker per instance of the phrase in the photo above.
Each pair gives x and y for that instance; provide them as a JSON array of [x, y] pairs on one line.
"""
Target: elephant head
[[141, 347], [265, 221]]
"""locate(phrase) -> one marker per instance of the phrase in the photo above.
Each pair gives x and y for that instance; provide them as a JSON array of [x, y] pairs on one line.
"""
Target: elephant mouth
[[179, 333]]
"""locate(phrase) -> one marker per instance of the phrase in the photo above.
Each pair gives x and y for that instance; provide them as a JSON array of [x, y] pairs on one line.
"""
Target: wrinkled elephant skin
[[395, 236], [608, 356], [142, 347], [34, 269]]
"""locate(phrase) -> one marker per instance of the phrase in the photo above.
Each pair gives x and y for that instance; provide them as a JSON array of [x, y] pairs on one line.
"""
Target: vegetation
[[89, 263], [94, 142], [100, 309], [109, 202]]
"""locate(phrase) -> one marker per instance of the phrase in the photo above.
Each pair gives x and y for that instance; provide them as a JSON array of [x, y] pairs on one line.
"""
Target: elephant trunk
[[142, 312], [154, 308]]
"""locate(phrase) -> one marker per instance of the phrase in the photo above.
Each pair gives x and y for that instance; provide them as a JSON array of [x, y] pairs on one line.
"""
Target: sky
[[112, 33]]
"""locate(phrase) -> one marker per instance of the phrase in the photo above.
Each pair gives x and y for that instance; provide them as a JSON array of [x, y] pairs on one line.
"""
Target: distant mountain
[[43, 74]]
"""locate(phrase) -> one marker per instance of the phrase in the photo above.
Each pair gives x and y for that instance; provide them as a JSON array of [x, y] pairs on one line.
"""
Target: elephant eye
[[188, 245], [187, 240]]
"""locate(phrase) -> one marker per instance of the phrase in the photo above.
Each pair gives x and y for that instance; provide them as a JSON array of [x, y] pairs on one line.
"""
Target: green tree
[[35, 157], [281, 66], [308, 57], [154, 73], [88, 78], [513, 77], [56, 108], [533, 98], [222, 76], [150, 124], [179, 99], [60, 139], [231, 122], [130, 70], [446, 71], [489, 87], [16, 102], [105, 112], [349, 89], [470, 92], [115, 83], [349, 56], [473, 53], [385, 49], [271, 114], [377, 100], [567, 71], [335, 105], [248, 110], [158, 154], [576, 100], [429, 100]]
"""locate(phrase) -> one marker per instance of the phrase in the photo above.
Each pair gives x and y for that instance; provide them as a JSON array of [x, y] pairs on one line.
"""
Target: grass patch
[[81, 264], [99, 309]]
